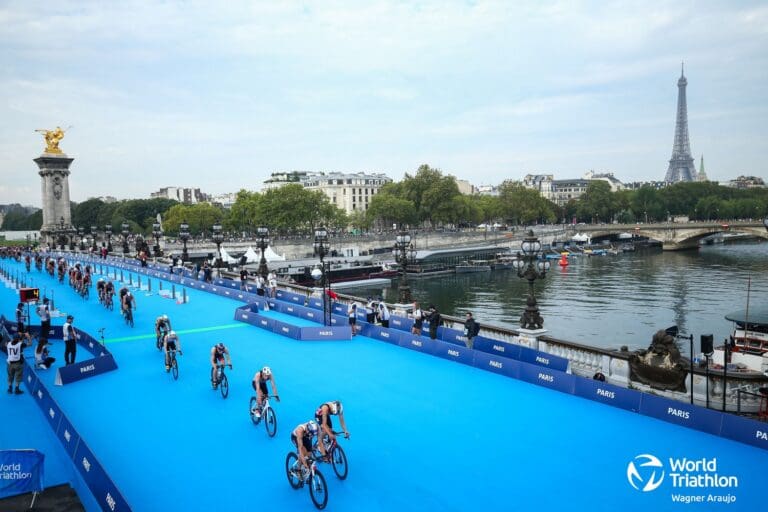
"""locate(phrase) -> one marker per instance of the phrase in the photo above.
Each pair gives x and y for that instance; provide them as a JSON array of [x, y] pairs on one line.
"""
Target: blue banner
[[616, 396], [101, 486], [316, 303], [459, 354], [68, 436], [417, 343], [294, 298], [528, 355], [21, 471], [85, 369], [500, 348], [681, 413], [745, 430], [453, 336], [548, 378], [325, 333], [496, 364], [400, 323], [286, 329], [339, 308], [388, 335], [310, 314]]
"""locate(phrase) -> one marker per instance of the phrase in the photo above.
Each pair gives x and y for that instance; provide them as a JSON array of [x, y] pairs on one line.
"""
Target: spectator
[[207, 273], [599, 376], [20, 317], [352, 314], [418, 319], [244, 279], [434, 321], [15, 360], [260, 285], [44, 312], [471, 328], [272, 285], [384, 314], [370, 311], [42, 358], [70, 341]]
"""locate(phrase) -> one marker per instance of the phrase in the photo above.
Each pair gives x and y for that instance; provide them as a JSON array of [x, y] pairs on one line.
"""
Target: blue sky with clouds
[[220, 94]]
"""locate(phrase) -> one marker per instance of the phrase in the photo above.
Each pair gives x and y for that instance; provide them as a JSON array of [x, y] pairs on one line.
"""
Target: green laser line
[[186, 331]]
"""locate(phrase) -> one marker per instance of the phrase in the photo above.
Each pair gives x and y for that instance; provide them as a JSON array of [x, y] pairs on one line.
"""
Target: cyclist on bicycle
[[323, 417], [109, 291], [306, 432], [162, 327], [128, 301], [219, 353], [259, 384], [170, 342], [100, 285]]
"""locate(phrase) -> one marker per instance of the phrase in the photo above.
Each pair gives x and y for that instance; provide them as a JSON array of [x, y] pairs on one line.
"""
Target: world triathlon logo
[[645, 473]]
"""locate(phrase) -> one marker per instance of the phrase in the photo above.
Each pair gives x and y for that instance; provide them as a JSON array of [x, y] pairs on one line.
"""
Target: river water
[[610, 301]]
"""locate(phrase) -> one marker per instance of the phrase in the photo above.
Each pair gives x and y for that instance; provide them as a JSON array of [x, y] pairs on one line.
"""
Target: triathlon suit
[[218, 357], [262, 384], [319, 416], [100, 286], [170, 342], [306, 439]]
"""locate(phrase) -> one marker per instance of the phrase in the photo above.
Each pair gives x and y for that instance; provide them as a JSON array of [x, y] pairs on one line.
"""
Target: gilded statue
[[52, 139]]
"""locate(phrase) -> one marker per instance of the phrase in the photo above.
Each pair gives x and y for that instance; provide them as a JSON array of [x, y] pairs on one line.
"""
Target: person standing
[[352, 314], [383, 314], [471, 328], [15, 363], [70, 341], [418, 319], [20, 317], [44, 312], [272, 285], [434, 321], [244, 279]]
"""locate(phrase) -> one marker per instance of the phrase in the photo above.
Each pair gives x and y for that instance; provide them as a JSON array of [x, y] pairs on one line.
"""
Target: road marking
[[186, 331]]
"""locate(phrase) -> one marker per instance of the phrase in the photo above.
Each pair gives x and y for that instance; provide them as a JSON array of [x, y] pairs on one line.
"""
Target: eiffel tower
[[681, 166]]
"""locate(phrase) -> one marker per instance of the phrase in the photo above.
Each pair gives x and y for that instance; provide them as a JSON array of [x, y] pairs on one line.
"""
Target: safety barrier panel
[[606, 393], [681, 413]]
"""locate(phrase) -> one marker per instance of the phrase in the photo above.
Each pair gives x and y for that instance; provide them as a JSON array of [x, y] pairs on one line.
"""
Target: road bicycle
[[174, 363], [336, 456], [221, 380], [265, 412], [128, 313], [298, 476], [161, 337]]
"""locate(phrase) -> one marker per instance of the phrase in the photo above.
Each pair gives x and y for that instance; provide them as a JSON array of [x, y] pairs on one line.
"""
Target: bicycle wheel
[[174, 367], [158, 343], [318, 490], [339, 462], [224, 385], [270, 421], [292, 470], [252, 409]]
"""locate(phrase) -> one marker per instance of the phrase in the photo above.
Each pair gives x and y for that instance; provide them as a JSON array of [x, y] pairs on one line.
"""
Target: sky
[[218, 95]]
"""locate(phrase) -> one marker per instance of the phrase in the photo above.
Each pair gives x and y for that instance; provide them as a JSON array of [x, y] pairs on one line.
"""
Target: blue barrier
[[416, 343], [107, 495], [500, 348], [745, 430], [285, 329], [453, 336], [459, 354], [680, 413], [325, 333], [400, 323], [547, 377], [315, 303], [616, 396], [68, 436], [338, 308], [291, 297], [390, 336], [496, 364], [528, 355], [85, 369]]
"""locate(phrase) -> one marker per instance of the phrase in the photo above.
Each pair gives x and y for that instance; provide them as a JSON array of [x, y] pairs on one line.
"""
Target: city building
[[224, 200], [278, 179], [542, 183], [105, 199], [487, 190], [743, 182], [681, 166], [465, 187], [350, 192], [564, 191], [636, 185], [607, 177], [180, 194], [702, 176]]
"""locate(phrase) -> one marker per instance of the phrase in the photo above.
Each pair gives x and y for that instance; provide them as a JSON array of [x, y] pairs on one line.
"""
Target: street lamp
[[108, 234], [531, 268], [93, 234], [125, 232], [184, 235], [263, 233], [218, 237], [321, 249], [81, 234], [404, 253], [157, 233], [765, 223]]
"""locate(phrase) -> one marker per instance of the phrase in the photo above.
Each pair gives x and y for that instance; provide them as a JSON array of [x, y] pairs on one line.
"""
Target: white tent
[[251, 256], [271, 255], [226, 258], [580, 237]]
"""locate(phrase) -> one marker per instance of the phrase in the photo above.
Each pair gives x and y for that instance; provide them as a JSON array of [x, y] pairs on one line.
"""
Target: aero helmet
[[312, 427], [266, 371]]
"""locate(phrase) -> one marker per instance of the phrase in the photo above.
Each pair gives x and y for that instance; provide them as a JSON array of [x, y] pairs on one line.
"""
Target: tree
[[524, 205], [201, 217], [384, 210], [596, 203]]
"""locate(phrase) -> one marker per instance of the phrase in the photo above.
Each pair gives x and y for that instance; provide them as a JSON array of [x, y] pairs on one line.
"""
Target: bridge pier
[[685, 245]]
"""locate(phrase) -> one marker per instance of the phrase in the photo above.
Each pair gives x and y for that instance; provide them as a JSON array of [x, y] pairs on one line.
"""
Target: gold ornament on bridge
[[52, 139]]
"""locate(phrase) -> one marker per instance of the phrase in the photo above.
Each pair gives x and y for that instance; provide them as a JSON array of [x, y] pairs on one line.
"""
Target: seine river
[[610, 301]]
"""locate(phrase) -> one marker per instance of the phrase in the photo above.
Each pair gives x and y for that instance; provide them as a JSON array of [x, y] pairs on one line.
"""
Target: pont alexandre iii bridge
[[676, 236]]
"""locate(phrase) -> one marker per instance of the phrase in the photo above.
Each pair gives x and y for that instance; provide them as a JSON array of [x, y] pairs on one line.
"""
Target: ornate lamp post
[[404, 253], [157, 233], [62, 236], [218, 237], [765, 223], [321, 249], [93, 235], [125, 232], [263, 233], [184, 235], [81, 234], [108, 234], [531, 268]]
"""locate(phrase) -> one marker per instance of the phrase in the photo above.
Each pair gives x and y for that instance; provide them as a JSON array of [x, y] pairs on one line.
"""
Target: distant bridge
[[675, 236]]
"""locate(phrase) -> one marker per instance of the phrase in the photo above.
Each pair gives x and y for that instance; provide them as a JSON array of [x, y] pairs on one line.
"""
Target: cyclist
[[323, 417], [121, 294], [170, 342], [162, 327], [109, 291], [306, 432], [100, 285], [259, 384], [128, 301], [218, 354]]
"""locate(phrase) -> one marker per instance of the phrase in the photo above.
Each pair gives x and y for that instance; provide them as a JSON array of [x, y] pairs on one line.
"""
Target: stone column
[[530, 337], [54, 172]]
